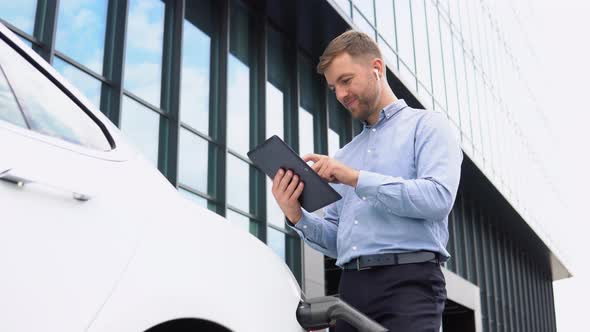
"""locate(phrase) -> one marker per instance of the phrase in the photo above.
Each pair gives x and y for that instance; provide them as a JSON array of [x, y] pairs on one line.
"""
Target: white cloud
[[194, 98], [146, 26], [238, 106], [143, 79], [23, 23], [83, 19]]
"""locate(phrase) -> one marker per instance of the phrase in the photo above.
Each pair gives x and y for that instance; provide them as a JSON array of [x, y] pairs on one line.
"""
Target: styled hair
[[355, 43]]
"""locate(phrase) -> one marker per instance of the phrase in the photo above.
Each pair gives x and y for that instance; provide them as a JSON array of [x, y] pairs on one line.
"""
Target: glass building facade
[[196, 84]]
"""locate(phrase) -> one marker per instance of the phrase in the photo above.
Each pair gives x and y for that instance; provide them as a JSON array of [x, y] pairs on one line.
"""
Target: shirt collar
[[389, 111]]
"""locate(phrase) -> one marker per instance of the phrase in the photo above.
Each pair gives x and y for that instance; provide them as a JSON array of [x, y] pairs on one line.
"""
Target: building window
[[238, 183], [141, 125], [309, 101], [200, 201], [21, 14], [143, 59], [422, 53], [274, 126], [192, 166], [81, 30], [87, 84], [195, 70], [405, 42]]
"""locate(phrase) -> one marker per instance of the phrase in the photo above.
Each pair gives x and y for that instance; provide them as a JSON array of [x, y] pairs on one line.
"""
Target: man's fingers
[[277, 179], [291, 188], [297, 192], [284, 182], [323, 171], [312, 157], [316, 167]]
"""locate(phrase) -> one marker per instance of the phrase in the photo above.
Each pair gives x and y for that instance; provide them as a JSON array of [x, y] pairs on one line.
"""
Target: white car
[[94, 238]]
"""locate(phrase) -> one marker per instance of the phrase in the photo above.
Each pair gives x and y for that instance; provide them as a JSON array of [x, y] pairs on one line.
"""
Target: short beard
[[365, 108], [363, 112]]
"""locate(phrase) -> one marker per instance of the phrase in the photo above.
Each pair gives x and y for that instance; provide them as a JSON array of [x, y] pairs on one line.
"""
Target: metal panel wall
[[515, 283]]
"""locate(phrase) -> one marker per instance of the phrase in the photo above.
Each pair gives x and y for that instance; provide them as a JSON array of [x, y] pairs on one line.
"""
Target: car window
[[46, 108], [9, 110]]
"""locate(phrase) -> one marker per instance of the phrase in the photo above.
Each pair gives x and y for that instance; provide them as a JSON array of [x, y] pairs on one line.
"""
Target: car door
[[67, 222]]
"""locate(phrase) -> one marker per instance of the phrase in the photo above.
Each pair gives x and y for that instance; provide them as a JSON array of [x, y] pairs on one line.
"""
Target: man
[[398, 179]]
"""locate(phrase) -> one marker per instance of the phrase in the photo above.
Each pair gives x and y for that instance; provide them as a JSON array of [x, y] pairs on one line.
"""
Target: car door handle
[[21, 179]]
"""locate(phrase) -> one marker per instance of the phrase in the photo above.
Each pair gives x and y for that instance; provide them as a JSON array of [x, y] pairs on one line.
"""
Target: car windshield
[[46, 108]]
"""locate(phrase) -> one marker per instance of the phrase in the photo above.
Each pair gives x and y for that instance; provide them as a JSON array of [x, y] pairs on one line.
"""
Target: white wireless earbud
[[376, 73]]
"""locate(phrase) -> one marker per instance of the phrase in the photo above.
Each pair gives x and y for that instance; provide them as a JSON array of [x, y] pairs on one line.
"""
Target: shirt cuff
[[305, 224], [367, 186]]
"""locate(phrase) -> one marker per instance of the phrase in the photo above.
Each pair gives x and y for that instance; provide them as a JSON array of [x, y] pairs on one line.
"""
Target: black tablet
[[274, 154]]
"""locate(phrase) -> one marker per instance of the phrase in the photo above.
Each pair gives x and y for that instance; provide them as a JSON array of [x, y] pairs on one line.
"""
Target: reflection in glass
[[305, 132], [436, 56], [238, 105], [195, 71], [192, 160], [388, 54], [461, 84], [405, 40], [239, 220], [333, 142], [475, 101], [80, 32], [345, 5], [385, 21], [274, 111], [366, 7], [363, 24], [274, 126], [470, 79], [20, 13], [425, 97], [238, 183], [9, 110], [87, 84], [200, 201], [276, 241], [337, 124], [143, 60], [421, 43], [485, 122], [141, 125], [49, 111]]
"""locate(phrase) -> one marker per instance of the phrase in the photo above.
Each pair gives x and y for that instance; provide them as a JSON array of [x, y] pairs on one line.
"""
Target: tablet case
[[274, 154]]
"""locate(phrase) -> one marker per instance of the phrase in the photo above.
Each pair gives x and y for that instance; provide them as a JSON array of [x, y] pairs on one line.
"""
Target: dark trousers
[[408, 297]]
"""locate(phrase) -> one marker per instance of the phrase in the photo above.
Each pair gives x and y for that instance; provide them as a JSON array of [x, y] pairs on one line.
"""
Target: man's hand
[[332, 170], [286, 188]]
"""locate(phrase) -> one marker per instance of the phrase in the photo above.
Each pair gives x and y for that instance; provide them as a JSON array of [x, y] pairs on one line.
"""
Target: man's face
[[354, 83]]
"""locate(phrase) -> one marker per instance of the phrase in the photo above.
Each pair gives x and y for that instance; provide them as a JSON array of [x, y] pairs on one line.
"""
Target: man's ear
[[378, 65]]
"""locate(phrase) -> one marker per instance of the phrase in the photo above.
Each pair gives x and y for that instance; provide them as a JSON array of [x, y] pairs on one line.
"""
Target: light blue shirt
[[409, 163]]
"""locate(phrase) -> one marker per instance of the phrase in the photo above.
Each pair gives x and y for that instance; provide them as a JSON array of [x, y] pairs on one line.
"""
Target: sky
[[559, 34], [558, 72]]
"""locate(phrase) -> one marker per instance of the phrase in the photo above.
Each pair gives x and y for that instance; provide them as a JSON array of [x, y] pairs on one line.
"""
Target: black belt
[[369, 261]]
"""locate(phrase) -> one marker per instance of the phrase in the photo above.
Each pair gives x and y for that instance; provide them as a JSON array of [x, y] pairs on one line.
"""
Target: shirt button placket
[[371, 144]]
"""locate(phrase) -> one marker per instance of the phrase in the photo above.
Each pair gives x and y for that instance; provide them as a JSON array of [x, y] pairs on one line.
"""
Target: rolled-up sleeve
[[438, 166]]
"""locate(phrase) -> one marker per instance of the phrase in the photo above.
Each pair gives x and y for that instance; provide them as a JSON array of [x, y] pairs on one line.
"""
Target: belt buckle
[[358, 265]]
